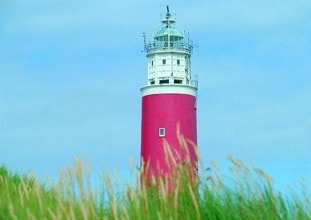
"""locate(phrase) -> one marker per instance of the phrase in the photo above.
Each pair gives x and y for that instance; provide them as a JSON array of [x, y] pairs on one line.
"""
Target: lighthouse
[[169, 122]]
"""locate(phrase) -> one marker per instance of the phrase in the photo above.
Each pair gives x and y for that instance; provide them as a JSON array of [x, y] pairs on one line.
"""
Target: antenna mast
[[145, 44], [168, 15]]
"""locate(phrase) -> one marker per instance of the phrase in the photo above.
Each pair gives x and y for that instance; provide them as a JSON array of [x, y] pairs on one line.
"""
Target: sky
[[71, 73]]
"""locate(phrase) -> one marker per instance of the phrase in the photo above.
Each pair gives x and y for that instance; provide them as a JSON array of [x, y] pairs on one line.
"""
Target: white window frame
[[161, 132]]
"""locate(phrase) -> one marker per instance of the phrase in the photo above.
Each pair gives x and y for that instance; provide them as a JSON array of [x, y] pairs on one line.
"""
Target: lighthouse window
[[161, 132], [177, 81], [164, 61], [178, 62], [164, 81], [151, 63], [161, 193]]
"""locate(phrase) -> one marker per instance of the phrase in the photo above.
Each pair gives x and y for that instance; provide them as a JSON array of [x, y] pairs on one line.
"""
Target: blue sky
[[70, 74]]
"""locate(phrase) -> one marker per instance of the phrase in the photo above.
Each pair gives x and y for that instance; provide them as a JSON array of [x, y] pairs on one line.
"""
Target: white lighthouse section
[[168, 53]]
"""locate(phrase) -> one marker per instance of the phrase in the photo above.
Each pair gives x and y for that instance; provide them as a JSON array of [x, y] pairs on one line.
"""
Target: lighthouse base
[[169, 137]]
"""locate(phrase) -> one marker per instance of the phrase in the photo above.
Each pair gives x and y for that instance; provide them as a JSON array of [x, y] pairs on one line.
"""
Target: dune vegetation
[[250, 195]]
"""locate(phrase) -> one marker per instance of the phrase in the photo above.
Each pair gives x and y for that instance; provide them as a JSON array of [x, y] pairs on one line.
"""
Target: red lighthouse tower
[[169, 128]]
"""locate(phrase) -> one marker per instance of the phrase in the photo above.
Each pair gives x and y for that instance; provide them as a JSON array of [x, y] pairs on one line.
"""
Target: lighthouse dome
[[168, 36], [171, 33]]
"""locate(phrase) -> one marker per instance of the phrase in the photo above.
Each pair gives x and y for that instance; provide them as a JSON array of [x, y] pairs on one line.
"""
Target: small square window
[[161, 132], [178, 62], [164, 61]]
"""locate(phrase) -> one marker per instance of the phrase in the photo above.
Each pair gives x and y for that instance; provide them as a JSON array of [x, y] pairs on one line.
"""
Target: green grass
[[250, 195]]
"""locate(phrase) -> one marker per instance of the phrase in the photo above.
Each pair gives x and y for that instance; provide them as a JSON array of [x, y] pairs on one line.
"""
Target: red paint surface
[[167, 111]]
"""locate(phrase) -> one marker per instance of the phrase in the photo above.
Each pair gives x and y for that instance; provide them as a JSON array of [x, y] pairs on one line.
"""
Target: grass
[[249, 196]]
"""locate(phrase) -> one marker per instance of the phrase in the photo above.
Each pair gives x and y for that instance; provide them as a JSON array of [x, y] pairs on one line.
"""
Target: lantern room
[[168, 53]]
